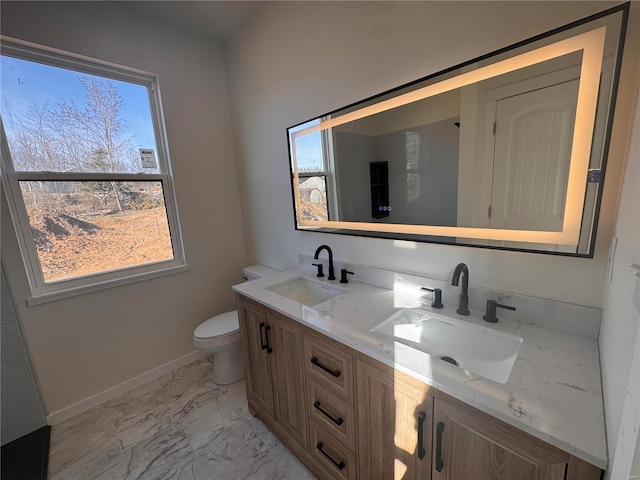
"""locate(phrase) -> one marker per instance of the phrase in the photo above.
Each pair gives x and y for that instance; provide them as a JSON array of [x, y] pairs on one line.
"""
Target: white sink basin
[[476, 348], [306, 291]]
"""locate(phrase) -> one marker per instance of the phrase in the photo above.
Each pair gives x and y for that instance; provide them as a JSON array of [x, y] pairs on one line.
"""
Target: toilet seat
[[218, 331]]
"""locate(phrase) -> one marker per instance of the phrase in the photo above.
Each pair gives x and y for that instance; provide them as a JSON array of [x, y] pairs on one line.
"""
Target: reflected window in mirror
[[496, 152], [312, 162]]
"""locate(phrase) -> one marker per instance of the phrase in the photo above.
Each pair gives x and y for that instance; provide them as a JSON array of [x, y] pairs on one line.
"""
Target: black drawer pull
[[421, 451], [266, 336], [335, 373], [439, 462], [263, 344], [340, 465], [337, 421]]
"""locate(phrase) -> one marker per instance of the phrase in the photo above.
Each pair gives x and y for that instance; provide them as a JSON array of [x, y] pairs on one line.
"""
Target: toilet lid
[[222, 324]]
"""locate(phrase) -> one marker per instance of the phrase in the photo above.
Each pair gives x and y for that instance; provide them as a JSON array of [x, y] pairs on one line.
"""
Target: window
[[312, 152], [86, 172]]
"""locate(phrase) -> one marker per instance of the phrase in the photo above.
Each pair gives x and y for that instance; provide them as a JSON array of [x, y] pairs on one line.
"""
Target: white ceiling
[[215, 19]]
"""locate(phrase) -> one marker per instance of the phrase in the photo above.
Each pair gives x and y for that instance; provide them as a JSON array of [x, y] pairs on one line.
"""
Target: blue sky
[[309, 148], [23, 82]]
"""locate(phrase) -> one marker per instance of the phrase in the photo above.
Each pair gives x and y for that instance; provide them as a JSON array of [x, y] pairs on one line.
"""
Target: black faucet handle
[[437, 296], [492, 305], [320, 271], [343, 275]]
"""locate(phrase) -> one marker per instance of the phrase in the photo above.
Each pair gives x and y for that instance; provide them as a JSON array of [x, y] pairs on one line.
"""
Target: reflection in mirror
[[505, 151], [311, 157]]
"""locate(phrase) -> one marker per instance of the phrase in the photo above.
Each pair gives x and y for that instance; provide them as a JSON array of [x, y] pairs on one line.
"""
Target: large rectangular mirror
[[504, 151]]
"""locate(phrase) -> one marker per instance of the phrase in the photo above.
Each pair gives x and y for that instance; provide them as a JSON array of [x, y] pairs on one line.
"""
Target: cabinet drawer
[[333, 455], [334, 414], [329, 366]]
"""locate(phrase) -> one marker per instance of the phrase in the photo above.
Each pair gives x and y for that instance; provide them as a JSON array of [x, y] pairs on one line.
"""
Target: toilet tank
[[257, 271]]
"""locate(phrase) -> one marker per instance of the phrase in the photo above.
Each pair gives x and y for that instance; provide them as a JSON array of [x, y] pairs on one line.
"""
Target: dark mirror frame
[[622, 8]]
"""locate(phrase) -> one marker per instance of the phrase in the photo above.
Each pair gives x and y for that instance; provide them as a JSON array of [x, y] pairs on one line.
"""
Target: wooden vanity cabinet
[[347, 416], [274, 375]]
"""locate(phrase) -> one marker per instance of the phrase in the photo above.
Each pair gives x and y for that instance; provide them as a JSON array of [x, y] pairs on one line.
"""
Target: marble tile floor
[[180, 426]]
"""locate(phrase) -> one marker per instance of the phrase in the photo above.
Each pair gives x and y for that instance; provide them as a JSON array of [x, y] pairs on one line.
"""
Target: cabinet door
[[468, 446], [257, 368], [285, 339], [394, 427]]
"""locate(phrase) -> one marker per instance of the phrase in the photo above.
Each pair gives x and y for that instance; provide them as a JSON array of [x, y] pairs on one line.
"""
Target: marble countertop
[[554, 390]]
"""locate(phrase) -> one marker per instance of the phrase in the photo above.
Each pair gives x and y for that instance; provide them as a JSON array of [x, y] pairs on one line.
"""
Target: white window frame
[[41, 291], [328, 172]]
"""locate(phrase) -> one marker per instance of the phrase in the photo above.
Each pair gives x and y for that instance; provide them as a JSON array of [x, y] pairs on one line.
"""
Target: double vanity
[[367, 379]]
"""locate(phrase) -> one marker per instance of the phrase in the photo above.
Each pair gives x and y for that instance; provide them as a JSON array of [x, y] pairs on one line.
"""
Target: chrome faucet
[[463, 306], [326, 247]]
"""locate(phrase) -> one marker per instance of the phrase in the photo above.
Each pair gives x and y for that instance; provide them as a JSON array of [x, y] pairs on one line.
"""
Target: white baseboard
[[63, 414]]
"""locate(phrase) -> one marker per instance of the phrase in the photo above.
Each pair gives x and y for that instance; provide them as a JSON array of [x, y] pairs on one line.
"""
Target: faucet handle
[[320, 272], [437, 296], [343, 275], [492, 305]]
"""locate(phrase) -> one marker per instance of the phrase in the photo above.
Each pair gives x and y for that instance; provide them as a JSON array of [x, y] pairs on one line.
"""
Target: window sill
[[104, 285]]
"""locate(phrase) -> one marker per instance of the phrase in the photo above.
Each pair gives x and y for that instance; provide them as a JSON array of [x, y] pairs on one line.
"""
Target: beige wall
[[86, 344], [297, 60]]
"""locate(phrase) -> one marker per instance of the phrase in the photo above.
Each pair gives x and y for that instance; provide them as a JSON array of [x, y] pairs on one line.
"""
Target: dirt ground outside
[[313, 211], [70, 247]]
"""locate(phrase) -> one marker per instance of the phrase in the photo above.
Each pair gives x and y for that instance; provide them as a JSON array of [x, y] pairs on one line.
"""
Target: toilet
[[220, 335]]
